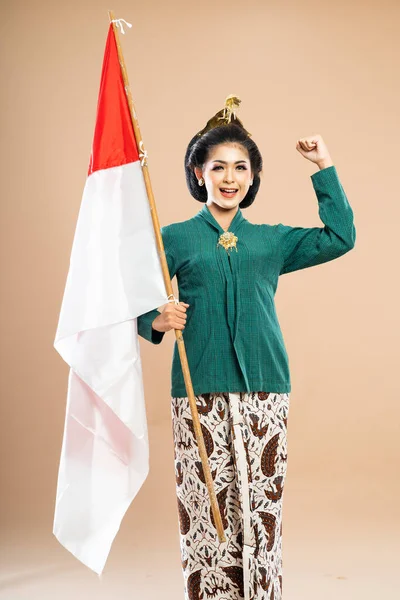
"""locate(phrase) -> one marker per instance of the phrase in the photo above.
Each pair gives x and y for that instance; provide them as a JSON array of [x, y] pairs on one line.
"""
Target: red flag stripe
[[114, 142]]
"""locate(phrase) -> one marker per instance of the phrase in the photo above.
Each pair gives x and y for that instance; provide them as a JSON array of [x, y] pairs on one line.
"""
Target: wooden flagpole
[[167, 280]]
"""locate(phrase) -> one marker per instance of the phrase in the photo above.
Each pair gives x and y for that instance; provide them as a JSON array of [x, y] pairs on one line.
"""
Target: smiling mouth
[[228, 192]]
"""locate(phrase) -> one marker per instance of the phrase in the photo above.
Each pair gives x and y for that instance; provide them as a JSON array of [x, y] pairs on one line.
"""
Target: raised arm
[[303, 247]]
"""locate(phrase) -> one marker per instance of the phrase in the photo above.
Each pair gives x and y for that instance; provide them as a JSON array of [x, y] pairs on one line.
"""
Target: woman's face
[[227, 174]]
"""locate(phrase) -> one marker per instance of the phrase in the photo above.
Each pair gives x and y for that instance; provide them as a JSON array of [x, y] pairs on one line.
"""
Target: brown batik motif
[[242, 432]]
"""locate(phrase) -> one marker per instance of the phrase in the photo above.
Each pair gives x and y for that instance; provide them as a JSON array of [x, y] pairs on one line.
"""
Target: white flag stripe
[[103, 466], [114, 276], [115, 272]]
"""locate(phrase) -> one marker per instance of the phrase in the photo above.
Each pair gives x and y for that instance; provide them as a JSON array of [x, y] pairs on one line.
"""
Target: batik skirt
[[245, 436]]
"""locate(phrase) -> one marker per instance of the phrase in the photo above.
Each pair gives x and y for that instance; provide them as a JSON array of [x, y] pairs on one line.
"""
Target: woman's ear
[[198, 172]]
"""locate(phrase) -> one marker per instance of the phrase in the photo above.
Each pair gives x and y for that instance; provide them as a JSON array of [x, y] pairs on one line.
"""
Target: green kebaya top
[[232, 336]]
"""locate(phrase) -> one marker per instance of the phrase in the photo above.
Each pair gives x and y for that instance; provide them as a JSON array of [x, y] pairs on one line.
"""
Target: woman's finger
[[180, 316], [180, 307], [178, 325]]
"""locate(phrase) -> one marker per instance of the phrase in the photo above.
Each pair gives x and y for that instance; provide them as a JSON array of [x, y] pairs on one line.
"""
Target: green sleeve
[[145, 320], [145, 329], [303, 247]]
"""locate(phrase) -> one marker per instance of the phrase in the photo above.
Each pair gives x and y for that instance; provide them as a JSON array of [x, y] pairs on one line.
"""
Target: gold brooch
[[228, 240]]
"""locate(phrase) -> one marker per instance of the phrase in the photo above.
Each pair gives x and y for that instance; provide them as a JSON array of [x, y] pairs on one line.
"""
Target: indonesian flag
[[114, 276]]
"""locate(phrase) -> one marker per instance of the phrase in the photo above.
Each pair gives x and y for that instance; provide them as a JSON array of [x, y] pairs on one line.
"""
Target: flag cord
[[118, 23], [173, 299]]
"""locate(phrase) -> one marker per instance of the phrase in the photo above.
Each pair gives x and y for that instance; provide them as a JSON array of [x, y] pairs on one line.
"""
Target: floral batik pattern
[[245, 436]]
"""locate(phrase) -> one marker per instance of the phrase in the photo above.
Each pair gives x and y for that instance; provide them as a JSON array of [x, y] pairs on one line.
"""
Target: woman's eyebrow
[[224, 161]]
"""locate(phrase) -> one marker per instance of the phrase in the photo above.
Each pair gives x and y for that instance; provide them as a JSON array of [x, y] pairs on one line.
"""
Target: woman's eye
[[238, 167]]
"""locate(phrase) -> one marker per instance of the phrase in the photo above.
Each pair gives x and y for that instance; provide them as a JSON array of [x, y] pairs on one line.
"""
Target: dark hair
[[198, 150]]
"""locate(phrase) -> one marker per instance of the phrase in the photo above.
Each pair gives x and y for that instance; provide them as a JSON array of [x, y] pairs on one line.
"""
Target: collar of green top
[[206, 214]]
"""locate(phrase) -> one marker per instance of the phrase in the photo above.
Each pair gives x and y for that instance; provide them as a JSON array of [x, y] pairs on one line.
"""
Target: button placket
[[230, 292], [230, 269]]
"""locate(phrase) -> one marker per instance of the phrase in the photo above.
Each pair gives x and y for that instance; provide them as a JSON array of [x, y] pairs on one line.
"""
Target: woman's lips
[[227, 194]]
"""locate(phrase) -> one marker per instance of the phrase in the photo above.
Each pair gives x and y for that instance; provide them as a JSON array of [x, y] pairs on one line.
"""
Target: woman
[[227, 271]]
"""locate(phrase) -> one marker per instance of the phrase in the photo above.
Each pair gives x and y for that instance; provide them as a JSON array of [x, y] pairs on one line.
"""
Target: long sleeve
[[144, 321], [145, 329], [303, 247]]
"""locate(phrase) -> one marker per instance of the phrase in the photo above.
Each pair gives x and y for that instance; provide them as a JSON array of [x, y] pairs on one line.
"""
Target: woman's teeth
[[227, 193]]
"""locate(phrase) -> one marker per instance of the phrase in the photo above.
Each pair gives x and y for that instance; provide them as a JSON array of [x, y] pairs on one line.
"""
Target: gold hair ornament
[[225, 116]]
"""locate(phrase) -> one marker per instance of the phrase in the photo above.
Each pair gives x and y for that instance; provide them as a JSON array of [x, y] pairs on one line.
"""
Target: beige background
[[300, 68]]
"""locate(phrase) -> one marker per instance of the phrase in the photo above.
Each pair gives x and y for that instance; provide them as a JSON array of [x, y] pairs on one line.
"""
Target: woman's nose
[[228, 178]]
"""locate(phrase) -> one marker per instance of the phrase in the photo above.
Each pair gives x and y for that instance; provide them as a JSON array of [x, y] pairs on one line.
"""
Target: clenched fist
[[314, 148], [173, 316]]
